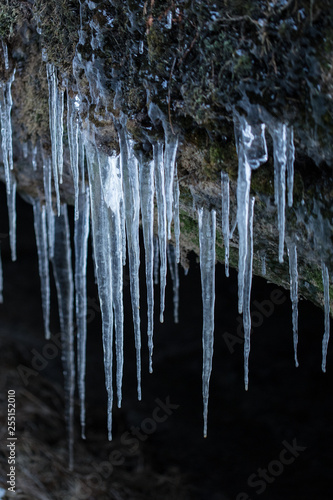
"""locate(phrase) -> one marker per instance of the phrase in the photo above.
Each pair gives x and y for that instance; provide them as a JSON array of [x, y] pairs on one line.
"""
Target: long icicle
[[225, 217], [293, 273], [326, 337], [176, 215], [162, 221], [247, 295], [63, 276], [110, 173], [81, 233], [147, 213], [43, 261], [243, 196], [102, 251], [73, 143], [130, 178], [207, 235], [54, 128], [290, 164], [280, 162]]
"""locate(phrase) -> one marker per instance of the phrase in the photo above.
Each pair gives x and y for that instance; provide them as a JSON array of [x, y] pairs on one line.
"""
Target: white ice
[[207, 235]]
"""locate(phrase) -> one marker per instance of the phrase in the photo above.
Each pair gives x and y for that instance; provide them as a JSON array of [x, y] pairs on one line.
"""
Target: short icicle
[[293, 273], [247, 295], [147, 214], [63, 276], [225, 217], [43, 261], [326, 337], [81, 233], [207, 235]]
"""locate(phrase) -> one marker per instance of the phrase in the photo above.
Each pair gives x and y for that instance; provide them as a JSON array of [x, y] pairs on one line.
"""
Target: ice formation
[[81, 233], [225, 217], [6, 103], [43, 260], [147, 214], [56, 112], [292, 251], [207, 236], [119, 185]]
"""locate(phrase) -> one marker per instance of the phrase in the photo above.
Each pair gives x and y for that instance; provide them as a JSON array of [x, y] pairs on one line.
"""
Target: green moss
[[11, 15]]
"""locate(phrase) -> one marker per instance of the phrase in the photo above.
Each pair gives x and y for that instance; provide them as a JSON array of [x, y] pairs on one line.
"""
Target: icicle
[[34, 158], [81, 163], [47, 180], [161, 210], [290, 164], [279, 136], [81, 232], [5, 54], [73, 142], [43, 261], [130, 178], [292, 251], [60, 132], [243, 195], [173, 266], [247, 295], [6, 103], [156, 260], [55, 128], [1, 280], [176, 216], [225, 217], [110, 173], [11, 204], [147, 213], [326, 337], [252, 152], [263, 265], [170, 151], [102, 252], [207, 235], [63, 276]]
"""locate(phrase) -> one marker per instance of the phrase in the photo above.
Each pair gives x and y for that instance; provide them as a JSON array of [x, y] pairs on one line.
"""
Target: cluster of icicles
[[119, 186]]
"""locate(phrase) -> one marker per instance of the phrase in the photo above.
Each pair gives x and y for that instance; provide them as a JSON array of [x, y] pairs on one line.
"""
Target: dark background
[[246, 430]]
